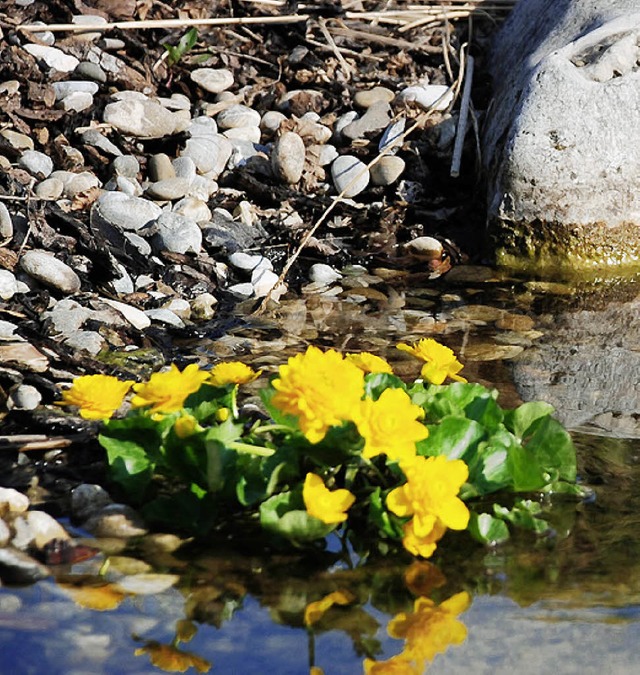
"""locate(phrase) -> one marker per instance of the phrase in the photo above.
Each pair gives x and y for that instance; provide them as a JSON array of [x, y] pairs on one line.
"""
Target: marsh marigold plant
[[338, 443]]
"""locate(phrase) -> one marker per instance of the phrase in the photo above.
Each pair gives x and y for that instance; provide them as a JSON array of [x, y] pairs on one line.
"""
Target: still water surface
[[563, 604]]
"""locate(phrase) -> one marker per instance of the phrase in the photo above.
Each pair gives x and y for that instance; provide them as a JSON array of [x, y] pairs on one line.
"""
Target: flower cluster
[[344, 444]]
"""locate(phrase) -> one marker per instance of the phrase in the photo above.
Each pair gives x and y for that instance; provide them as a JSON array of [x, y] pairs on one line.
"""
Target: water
[[564, 604]]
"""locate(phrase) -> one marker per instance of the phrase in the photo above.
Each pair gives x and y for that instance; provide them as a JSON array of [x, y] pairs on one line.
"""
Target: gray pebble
[[348, 170], [271, 121], [6, 223], [184, 167], [165, 316], [168, 189], [213, 80], [392, 134], [126, 165], [238, 116], [202, 126], [50, 188], [367, 97], [387, 170], [143, 118], [55, 58], [66, 87], [87, 499], [193, 208], [159, 167], [116, 520], [210, 155], [128, 213], [80, 182], [343, 121], [36, 163], [17, 140], [24, 397], [76, 102], [321, 273], [203, 306], [287, 157], [177, 234], [251, 134], [242, 152], [48, 270], [8, 286], [96, 139], [86, 341], [375, 119], [436, 96], [91, 71], [323, 154], [16, 567]]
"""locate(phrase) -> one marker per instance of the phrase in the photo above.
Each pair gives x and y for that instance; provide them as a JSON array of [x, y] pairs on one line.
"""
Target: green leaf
[[284, 515], [185, 44], [129, 465], [450, 399], [487, 529], [551, 443], [376, 383], [519, 420], [455, 437], [490, 468], [486, 411], [523, 514]]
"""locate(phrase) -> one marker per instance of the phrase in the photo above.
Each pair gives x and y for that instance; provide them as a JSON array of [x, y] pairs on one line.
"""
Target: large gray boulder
[[562, 137]]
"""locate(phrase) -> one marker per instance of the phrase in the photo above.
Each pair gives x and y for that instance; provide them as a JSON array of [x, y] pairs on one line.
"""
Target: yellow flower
[[369, 363], [232, 372], [186, 425], [430, 629], [97, 396], [171, 659], [430, 496], [314, 611], [321, 389], [397, 665], [320, 502], [440, 361], [390, 425], [166, 392]]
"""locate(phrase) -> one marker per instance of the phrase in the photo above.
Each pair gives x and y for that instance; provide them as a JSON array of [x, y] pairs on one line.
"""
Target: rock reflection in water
[[587, 364]]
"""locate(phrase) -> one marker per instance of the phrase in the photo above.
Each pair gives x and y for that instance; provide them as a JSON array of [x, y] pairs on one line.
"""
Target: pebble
[[238, 115], [126, 165], [368, 97], [44, 528], [184, 167], [67, 87], [47, 37], [246, 261], [91, 71], [78, 183], [36, 163], [312, 131], [159, 167], [24, 397], [88, 20], [136, 317], [348, 170], [50, 189], [429, 96], [8, 285], [168, 189], [375, 119], [213, 80], [14, 501], [193, 208], [98, 140], [48, 270], [17, 140], [16, 567], [392, 135], [6, 223], [287, 157], [86, 341], [251, 134], [76, 102], [121, 210], [263, 281], [203, 306], [202, 126], [271, 121], [177, 234], [343, 121], [387, 170], [55, 58], [143, 118], [324, 274], [322, 155], [429, 248], [165, 316], [210, 155], [87, 499], [242, 152], [116, 520]]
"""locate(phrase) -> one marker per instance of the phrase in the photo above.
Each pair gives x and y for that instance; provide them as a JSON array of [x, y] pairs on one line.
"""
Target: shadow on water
[[567, 602]]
